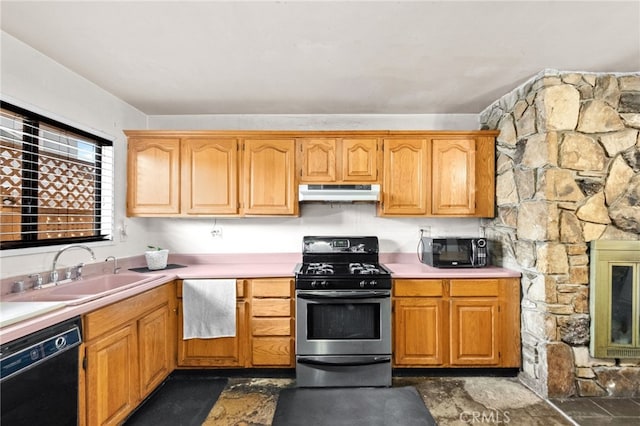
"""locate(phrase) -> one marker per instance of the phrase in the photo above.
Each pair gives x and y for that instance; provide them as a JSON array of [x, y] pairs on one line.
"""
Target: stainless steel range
[[343, 311]]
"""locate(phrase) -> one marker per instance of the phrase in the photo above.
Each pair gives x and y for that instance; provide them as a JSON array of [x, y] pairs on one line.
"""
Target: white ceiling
[[320, 57]]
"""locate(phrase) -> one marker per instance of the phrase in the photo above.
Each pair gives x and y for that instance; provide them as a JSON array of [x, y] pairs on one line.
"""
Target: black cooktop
[[342, 269]]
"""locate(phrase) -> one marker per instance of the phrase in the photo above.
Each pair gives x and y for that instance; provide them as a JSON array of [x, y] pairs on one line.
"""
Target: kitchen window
[[56, 182]]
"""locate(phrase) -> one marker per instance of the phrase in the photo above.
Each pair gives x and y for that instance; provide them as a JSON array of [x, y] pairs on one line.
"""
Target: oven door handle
[[357, 294], [344, 361]]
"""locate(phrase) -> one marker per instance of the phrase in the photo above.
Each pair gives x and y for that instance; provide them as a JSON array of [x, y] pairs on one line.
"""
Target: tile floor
[[601, 411], [249, 401], [451, 401]]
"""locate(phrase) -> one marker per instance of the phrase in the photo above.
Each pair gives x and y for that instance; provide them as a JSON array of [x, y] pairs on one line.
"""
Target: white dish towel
[[209, 308]]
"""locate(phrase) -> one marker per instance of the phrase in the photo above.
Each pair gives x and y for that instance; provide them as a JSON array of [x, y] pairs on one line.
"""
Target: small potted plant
[[156, 257]]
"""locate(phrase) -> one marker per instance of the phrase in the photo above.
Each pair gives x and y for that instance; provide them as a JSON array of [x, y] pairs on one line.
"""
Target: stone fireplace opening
[[615, 302]]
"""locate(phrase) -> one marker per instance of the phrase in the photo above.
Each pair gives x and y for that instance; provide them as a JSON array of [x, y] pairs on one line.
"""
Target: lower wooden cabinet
[[456, 323], [419, 332], [129, 349], [264, 325], [272, 322], [219, 352], [265, 330], [156, 349], [112, 378], [474, 332]]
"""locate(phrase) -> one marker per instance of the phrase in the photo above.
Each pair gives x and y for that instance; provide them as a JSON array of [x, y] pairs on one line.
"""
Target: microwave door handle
[[473, 252], [344, 361]]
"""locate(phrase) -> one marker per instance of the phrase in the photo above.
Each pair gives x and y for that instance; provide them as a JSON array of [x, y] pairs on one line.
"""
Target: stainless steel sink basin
[[84, 290]]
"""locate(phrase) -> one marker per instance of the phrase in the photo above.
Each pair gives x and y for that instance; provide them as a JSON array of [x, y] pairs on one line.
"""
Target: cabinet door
[[453, 176], [485, 176], [154, 349], [112, 377], [269, 177], [359, 160], [406, 177], [220, 352], [153, 168], [318, 160], [419, 332], [474, 331], [210, 176]]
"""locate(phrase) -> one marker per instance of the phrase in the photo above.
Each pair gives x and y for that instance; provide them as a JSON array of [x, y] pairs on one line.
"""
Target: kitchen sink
[[83, 290], [100, 284]]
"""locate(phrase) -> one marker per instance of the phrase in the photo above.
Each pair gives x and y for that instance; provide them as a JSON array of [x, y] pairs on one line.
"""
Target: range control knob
[[324, 283], [363, 283], [373, 283], [314, 284]]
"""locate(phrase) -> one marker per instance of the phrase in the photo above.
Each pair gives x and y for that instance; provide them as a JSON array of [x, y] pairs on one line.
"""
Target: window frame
[[29, 214]]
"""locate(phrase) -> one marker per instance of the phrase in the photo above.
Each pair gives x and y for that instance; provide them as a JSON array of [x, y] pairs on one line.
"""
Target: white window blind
[[56, 182]]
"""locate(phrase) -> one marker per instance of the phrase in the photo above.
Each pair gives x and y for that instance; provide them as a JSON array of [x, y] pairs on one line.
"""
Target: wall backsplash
[[568, 172], [284, 234]]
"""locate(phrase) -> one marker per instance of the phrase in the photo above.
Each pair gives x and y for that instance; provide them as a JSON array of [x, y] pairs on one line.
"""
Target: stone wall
[[568, 172]]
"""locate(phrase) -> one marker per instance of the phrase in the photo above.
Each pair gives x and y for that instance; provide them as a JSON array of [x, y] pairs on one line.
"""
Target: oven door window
[[343, 321]]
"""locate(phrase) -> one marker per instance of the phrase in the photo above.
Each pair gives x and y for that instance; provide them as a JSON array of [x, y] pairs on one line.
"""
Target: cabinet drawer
[[472, 287], [271, 326], [271, 288], [272, 351], [417, 288], [239, 289], [112, 316], [271, 307]]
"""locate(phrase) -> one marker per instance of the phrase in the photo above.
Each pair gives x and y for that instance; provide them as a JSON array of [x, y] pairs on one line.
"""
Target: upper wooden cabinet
[[269, 177], [256, 173], [453, 176], [439, 174], [153, 176], [338, 160], [405, 190], [203, 173], [209, 176]]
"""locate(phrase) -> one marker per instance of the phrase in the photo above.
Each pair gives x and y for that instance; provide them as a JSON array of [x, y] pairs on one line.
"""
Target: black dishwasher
[[39, 377]]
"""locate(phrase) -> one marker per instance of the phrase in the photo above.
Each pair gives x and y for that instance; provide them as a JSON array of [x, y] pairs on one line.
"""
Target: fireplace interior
[[615, 301]]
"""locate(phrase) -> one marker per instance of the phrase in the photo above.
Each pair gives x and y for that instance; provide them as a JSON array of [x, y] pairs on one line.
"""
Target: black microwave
[[453, 252]]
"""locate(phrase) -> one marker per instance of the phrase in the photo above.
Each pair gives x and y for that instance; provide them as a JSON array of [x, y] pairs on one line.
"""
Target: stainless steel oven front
[[343, 337]]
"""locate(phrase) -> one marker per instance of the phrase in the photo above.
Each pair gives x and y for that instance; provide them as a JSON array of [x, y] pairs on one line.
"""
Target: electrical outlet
[[425, 231], [216, 232], [122, 230]]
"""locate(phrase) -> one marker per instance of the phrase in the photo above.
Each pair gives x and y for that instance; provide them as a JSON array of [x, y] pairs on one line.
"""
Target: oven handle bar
[[356, 294], [344, 361]]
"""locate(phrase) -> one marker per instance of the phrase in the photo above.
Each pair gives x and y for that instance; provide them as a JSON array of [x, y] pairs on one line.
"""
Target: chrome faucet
[[54, 273], [77, 269], [37, 281], [115, 263]]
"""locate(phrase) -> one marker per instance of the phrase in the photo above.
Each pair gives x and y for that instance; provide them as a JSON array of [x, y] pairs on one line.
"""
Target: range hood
[[339, 193]]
